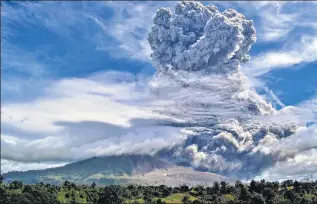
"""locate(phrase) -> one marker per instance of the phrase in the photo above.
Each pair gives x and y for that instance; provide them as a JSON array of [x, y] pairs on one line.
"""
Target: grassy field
[[177, 198], [78, 195]]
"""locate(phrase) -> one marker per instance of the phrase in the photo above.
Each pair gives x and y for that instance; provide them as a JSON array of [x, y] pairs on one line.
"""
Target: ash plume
[[197, 37], [198, 51]]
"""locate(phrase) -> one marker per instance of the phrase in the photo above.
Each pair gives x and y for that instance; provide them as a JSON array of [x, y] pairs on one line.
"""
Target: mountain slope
[[134, 169]]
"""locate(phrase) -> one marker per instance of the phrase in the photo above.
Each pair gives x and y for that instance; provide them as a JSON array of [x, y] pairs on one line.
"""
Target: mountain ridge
[[124, 169]]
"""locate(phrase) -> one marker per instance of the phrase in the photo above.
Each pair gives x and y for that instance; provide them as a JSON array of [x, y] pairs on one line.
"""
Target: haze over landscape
[[225, 90]]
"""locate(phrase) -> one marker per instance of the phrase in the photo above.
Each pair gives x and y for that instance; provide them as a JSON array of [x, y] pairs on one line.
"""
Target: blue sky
[[47, 46]]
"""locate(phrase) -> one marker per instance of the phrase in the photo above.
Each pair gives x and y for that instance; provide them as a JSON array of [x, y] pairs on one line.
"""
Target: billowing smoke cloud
[[198, 51], [197, 37]]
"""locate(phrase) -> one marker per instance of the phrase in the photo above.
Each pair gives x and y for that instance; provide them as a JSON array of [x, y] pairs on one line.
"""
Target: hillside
[[135, 169]]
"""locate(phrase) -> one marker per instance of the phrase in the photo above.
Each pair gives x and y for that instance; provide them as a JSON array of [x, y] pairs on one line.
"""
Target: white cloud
[[81, 118], [302, 51], [8, 165]]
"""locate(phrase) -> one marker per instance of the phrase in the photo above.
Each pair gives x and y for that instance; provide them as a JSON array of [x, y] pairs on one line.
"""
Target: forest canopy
[[255, 192]]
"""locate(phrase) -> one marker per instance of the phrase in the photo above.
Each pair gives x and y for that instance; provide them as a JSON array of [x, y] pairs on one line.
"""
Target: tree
[[16, 184], [290, 195], [147, 197], [223, 188], [238, 184], [244, 194], [184, 189], [185, 199], [27, 189], [93, 185], [253, 186], [257, 199], [166, 192], [268, 195], [66, 184], [3, 195], [304, 201], [110, 195], [216, 187], [1, 179], [197, 202], [92, 196], [276, 186], [73, 185], [159, 201]]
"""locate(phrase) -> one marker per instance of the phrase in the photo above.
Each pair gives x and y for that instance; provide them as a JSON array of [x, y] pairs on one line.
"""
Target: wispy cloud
[[22, 62], [275, 24], [20, 71], [47, 15], [129, 27], [304, 50]]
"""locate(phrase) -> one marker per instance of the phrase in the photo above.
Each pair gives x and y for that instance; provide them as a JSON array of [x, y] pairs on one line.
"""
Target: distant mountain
[[126, 169]]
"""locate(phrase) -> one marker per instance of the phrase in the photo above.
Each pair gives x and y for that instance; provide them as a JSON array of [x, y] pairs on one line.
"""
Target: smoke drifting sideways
[[198, 51]]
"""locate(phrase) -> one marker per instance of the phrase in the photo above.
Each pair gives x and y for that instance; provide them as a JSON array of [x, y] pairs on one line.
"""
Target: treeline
[[256, 192]]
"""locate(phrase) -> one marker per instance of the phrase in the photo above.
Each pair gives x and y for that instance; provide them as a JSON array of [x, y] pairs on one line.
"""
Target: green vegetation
[[178, 198], [287, 192]]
